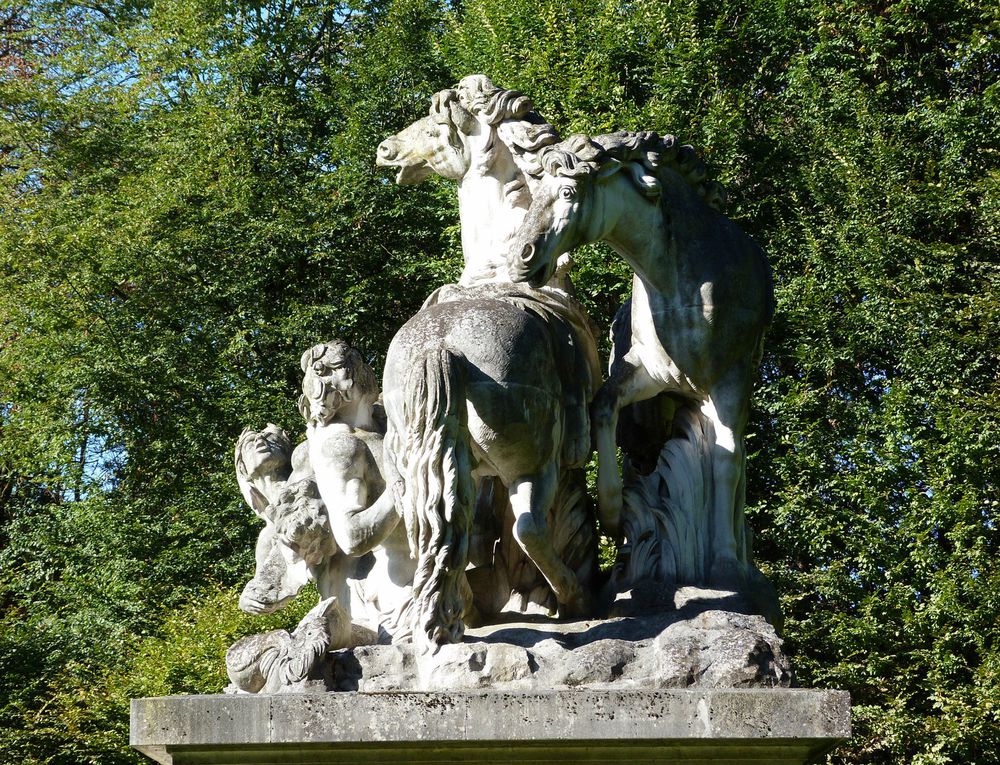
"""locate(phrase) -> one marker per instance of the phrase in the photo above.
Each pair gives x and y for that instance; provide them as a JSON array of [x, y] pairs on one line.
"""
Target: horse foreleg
[[728, 415], [628, 382], [531, 497]]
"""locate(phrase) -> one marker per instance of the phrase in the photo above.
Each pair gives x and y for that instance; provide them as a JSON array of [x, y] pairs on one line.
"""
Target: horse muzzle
[[386, 153], [525, 267]]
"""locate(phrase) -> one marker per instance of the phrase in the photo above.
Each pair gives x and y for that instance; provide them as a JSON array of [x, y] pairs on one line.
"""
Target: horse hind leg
[[531, 497]]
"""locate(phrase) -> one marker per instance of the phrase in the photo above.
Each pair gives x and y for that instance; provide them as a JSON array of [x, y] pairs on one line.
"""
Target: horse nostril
[[520, 265], [386, 150]]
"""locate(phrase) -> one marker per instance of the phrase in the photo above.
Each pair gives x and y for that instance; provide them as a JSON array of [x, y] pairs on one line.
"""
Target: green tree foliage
[[188, 199]]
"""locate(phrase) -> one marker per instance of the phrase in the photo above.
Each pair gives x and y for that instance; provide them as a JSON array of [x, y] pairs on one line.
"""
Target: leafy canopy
[[189, 198]]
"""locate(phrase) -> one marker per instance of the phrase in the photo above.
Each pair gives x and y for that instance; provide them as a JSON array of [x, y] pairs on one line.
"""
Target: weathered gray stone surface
[[695, 646], [725, 726], [462, 494], [702, 301], [459, 498]]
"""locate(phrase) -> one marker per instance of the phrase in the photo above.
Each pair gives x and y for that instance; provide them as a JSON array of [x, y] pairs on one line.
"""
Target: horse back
[[512, 387], [499, 342]]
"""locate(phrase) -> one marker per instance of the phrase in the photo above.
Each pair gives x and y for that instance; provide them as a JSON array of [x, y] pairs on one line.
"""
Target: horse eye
[[318, 368], [567, 192]]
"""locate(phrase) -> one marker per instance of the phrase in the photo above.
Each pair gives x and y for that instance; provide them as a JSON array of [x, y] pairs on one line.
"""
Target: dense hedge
[[188, 198]]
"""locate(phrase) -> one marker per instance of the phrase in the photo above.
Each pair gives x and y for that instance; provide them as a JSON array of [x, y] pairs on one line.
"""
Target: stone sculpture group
[[457, 496]]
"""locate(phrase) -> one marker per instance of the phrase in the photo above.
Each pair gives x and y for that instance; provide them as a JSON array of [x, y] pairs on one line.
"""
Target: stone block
[[593, 726]]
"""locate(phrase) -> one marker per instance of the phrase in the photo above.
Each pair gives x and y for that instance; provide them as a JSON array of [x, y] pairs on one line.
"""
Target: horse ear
[[440, 103], [608, 169], [644, 181], [304, 409], [461, 118]]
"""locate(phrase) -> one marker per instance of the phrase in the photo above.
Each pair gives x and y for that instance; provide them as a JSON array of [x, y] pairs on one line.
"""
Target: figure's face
[[262, 454], [328, 385], [549, 229]]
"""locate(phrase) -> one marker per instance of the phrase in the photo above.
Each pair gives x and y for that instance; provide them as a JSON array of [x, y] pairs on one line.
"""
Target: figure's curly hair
[[324, 356], [301, 522]]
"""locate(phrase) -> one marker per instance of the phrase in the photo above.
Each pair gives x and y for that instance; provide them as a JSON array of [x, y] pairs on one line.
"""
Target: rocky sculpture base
[[592, 726], [701, 641], [679, 676]]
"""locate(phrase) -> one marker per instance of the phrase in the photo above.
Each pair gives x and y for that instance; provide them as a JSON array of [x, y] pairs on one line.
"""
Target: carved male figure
[[344, 440], [263, 464], [329, 519]]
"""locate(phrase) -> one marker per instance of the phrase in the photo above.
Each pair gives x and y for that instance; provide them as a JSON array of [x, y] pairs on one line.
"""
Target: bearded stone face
[[334, 375], [328, 384]]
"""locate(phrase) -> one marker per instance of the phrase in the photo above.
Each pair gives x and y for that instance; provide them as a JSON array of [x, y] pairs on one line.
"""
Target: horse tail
[[437, 495]]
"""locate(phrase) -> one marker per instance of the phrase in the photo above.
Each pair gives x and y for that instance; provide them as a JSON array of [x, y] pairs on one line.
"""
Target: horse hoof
[[728, 574], [578, 606]]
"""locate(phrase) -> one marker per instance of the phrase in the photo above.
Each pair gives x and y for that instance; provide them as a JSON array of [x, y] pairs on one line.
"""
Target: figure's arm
[[364, 529], [340, 465]]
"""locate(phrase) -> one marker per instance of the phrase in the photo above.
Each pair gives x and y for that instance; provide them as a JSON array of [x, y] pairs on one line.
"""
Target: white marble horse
[[509, 370], [486, 139]]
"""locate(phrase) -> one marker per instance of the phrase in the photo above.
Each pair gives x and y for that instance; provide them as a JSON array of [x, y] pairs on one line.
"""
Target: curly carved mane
[[644, 152], [522, 130]]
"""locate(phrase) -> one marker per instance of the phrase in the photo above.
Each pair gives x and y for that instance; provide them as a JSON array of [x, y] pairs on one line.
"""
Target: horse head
[[462, 130], [579, 196], [562, 214], [488, 139], [438, 143]]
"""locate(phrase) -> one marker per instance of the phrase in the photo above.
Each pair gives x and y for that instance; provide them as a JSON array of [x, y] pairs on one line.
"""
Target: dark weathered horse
[[702, 300], [471, 389]]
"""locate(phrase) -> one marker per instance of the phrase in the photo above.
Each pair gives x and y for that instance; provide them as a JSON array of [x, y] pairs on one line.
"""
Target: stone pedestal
[[574, 726]]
